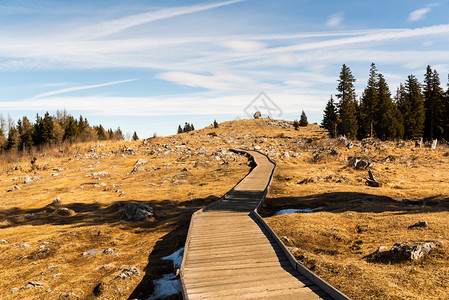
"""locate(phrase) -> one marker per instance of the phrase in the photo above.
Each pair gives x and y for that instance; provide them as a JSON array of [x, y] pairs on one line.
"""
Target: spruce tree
[[330, 117], [215, 124], [369, 105], [413, 109], [303, 120], [433, 103], [389, 122], [180, 129], [135, 137], [347, 104]]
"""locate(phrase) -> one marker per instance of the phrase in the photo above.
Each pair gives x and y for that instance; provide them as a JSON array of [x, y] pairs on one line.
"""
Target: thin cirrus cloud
[[243, 46], [421, 13], [216, 81], [79, 88], [334, 21], [113, 26]]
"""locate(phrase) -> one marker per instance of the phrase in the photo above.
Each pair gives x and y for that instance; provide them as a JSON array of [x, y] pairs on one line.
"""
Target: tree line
[[416, 111], [50, 130]]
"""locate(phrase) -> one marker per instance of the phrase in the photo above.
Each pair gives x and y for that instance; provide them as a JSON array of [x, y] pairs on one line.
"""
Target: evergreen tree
[[180, 129], [296, 124], [433, 103], [347, 104], [389, 122], [303, 120], [101, 132], [413, 109], [13, 139], [192, 127], [71, 130], [330, 117], [25, 130], [215, 124], [369, 105], [135, 137]]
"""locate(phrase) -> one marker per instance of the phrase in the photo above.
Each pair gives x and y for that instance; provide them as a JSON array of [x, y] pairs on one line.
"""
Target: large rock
[[411, 251], [138, 212]]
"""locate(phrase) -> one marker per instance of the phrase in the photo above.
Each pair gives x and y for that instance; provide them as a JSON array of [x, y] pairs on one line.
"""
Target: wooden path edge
[[324, 285]]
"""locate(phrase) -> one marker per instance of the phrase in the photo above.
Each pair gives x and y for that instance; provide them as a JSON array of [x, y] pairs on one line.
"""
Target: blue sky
[[151, 65]]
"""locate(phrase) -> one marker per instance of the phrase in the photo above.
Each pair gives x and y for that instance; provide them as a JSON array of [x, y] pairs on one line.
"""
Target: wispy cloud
[[421, 13], [217, 81], [113, 26], [334, 21], [243, 46], [79, 88]]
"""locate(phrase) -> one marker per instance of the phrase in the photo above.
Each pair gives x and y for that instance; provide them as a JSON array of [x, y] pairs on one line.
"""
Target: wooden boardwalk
[[229, 255]]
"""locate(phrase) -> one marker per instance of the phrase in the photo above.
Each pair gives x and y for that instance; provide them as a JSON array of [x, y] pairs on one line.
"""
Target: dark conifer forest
[[417, 110], [48, 130]]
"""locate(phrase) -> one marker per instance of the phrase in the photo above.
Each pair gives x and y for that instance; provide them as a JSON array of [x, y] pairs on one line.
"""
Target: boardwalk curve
[[230, 252]]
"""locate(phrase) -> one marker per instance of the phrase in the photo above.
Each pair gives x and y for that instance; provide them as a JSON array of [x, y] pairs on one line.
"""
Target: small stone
[[24, 246], [420, 224], [3, 241], [108, 251], [381, 249], [98, 289], [13, 290], [129, 272], [56, 200], [33, 284], [286, 239]]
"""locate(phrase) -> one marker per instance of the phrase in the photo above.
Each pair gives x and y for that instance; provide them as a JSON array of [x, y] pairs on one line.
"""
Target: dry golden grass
[[338, 242], [87, 219]]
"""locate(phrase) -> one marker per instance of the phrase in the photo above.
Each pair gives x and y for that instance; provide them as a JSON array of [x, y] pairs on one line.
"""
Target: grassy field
[[61, 243], [339, 240]]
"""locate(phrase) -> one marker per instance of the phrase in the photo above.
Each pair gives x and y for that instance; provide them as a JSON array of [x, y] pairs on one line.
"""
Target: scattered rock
[[420, 224], [13, 290], [371, 180], [33, 284], [24, 246], [14, 188], [361, 164], [257, 115], [3, 241], [106, 267], [128, 273], [108, 251], [352, 161], [411, 251], [100, 174], [381, 249], [138, 212], [98, 289], [56, 200]]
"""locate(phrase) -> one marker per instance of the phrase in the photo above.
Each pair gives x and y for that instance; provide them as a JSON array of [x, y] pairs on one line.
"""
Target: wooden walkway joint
[[231, 253]]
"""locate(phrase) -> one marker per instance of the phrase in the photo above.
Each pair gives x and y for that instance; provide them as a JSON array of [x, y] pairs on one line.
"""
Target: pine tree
[[135, 137], [413, 109], [389, 123], [330, 117], [303, 120], [369, 105], [180, 129], [296, 124], [433, 103], [25, 130], [13, 139], [215, 124], [347, 104]]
